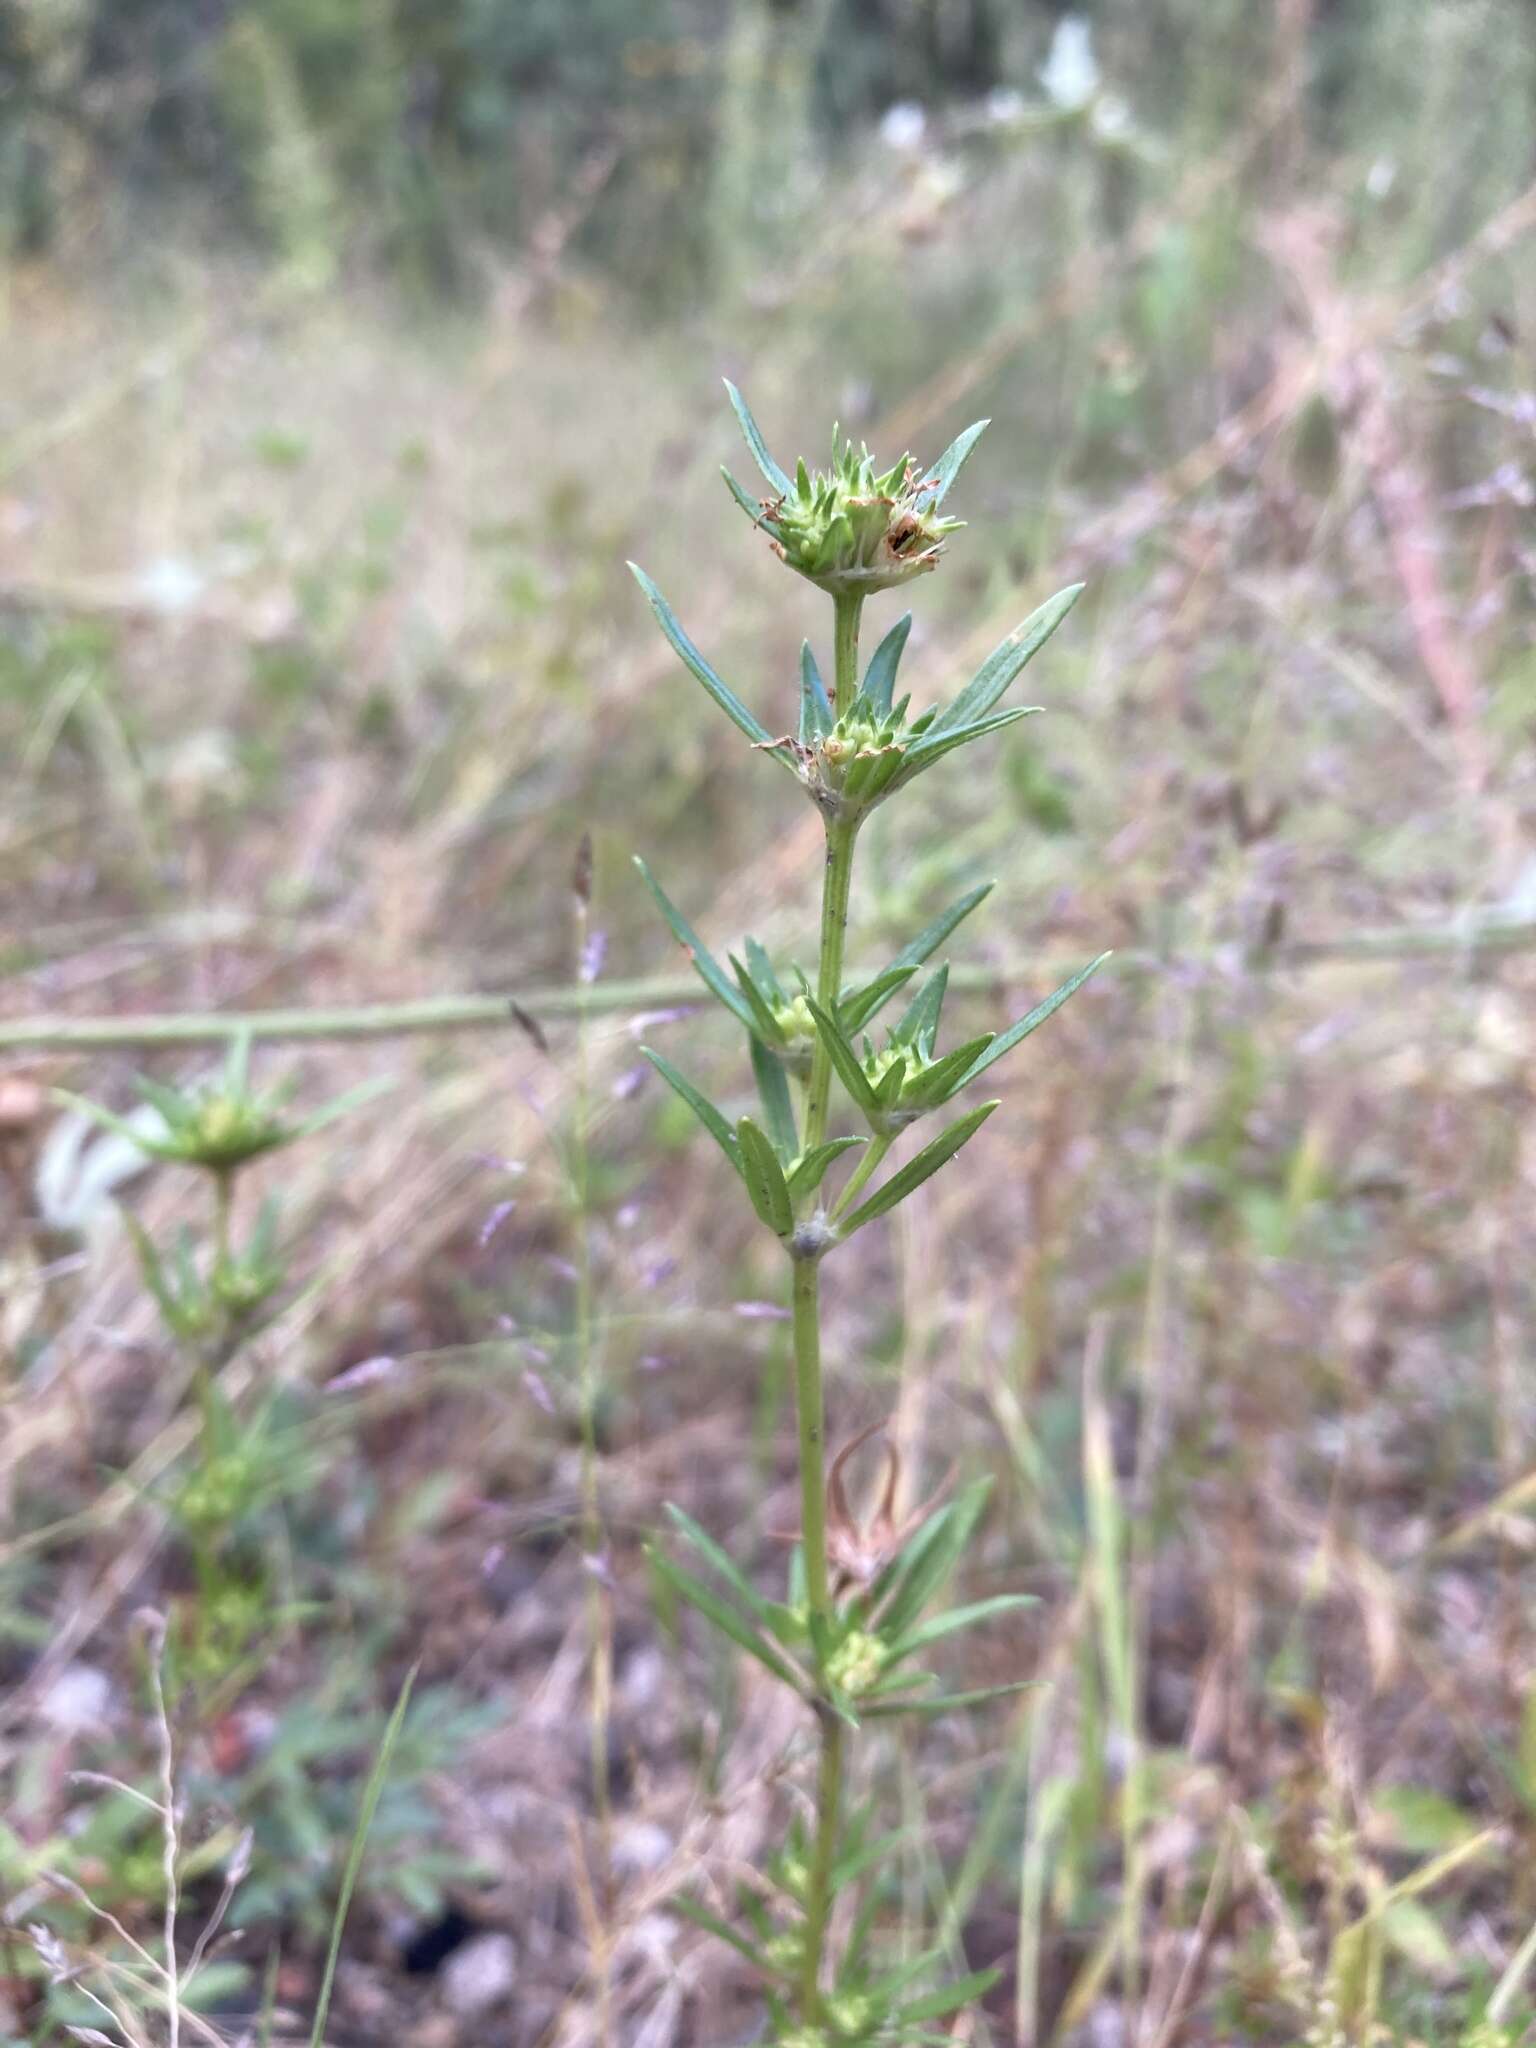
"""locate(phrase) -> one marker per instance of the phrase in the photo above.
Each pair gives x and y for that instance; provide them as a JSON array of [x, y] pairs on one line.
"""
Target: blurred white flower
[[1070, 74], [903, 126]]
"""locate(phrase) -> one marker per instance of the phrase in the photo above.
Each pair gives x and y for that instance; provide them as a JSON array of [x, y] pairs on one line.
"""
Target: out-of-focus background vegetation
[[348, 348]]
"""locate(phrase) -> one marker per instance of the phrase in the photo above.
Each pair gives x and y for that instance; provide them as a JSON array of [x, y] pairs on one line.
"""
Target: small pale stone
[[641, 1845], [480, 1974]]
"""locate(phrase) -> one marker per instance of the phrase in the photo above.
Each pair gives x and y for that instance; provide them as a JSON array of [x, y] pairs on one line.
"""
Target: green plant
[[847, 1638], [210, 1304]]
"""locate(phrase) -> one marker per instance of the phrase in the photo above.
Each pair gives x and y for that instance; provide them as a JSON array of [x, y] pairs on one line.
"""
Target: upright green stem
[[836, 885], [809, 1404], [837, 881], [818, 1897], [223, 1199], [845, 652], [808, 1411]]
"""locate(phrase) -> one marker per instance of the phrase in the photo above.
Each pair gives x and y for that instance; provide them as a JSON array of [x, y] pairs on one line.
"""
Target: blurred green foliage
[[443, 137]]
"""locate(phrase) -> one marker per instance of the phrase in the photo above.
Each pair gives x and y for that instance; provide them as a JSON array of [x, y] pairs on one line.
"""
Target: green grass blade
[[372, 1793]]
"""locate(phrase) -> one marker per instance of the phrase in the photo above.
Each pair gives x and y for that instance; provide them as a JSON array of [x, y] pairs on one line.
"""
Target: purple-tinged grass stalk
[[855, 1613]]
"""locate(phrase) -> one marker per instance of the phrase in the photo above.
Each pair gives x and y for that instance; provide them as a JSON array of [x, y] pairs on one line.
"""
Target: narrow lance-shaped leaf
[[1006, 660], [933, 1155], [958, 1618], [722, 1561], [778, 1110], [919, 1021], [928, 941], [705, 965], [853, 1863], [366, 1091], [765, 1025], [109, 1120], [702, 1107], [815, 705], [846, 1061], [946, 1076], [942, 476], [910, 1581], [725, 1618], [237, 1063], [934, 745], [752, 435], [871, 772], [946, 1703], [964, 1991], [880, 676], [761, 968], [855, 1011], [891, 1083], [177, 1108], [711, 1923], [764, 1177], [757, 513], [810, 1171], [692, 660], [1037, 1016]]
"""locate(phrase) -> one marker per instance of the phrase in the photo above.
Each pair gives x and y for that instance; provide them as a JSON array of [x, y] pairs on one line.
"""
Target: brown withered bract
[[859, 1552]]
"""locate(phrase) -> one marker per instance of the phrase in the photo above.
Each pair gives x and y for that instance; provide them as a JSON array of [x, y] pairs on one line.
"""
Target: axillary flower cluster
[[847, 1636]]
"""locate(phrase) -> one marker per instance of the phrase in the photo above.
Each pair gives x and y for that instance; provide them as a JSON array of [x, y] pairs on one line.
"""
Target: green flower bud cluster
[[847, 528], [239, 1283], [218, 1492], [856, 1663], [853, 2012], [852, 529], [220, 1125], [797, 1026]]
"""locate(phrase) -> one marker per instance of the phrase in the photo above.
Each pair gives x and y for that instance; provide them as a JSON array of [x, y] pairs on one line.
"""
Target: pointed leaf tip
[[751, 433]]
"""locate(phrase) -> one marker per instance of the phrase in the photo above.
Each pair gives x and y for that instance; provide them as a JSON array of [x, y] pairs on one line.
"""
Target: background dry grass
[[318, 659]]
